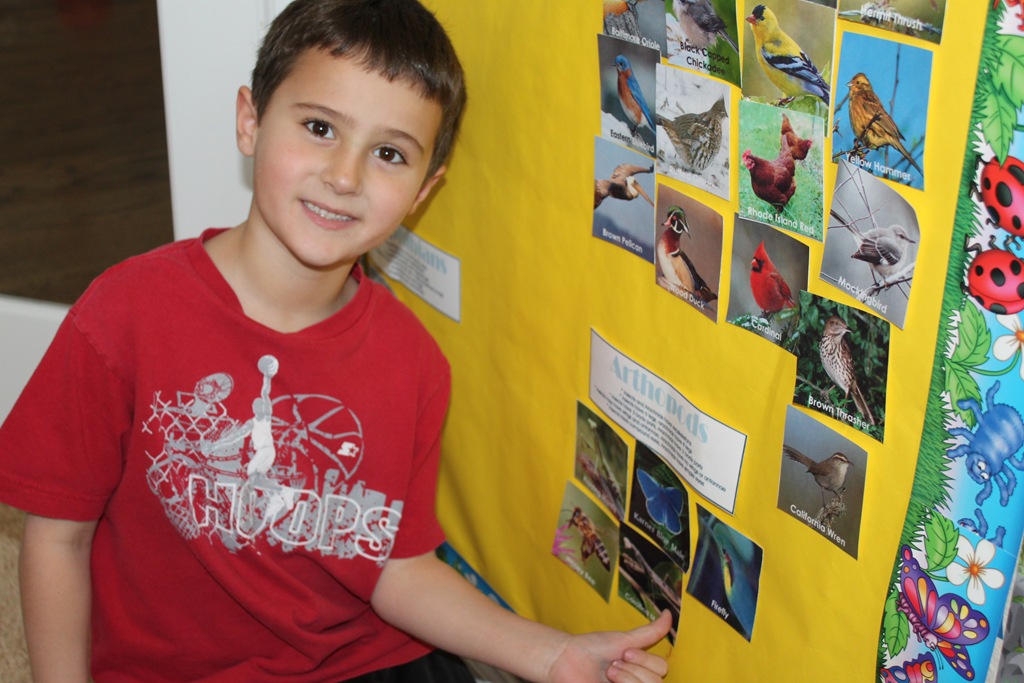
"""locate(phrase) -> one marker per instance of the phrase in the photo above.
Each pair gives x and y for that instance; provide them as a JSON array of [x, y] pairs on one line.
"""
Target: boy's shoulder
[[141, 276], [393, 316], [171, 255]]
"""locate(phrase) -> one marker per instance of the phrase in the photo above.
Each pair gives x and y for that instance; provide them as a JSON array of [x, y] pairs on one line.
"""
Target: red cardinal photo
[[771, 292]]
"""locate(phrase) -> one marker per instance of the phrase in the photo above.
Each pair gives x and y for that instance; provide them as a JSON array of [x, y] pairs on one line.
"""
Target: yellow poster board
[[515, 209]]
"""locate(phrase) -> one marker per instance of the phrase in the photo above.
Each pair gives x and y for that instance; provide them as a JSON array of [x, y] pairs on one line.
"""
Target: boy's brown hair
[[399, 39]]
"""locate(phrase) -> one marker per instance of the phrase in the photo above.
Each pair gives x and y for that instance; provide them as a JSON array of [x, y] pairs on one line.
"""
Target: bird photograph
[[879, 122], [768, 271], [631, 97], [622, 184], [842, 363], [693, 130], [842, 368], [772, 180], [918, 18], [782, 168], [798, 146], [769, 287], [624, 188], [688, 250], [871, 243], [702, 25], [821, 482], [702, 36], [639, 21], [788, 62], [627, 77]]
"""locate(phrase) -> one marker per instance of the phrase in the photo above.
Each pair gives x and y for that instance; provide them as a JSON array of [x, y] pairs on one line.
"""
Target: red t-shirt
[[249, 484]]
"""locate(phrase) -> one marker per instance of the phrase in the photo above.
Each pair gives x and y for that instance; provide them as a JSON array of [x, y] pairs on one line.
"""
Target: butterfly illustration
[[664, 503], [946, 622], [919, 670]]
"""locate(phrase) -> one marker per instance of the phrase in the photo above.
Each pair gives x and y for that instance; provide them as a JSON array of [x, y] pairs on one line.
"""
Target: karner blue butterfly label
[[659, 505]]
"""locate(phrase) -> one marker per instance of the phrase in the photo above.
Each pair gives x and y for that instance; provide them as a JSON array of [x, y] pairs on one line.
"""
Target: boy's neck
[[281, 295]]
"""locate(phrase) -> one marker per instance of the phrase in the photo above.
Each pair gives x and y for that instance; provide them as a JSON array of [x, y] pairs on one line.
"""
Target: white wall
[[26, 328], [207, 51]]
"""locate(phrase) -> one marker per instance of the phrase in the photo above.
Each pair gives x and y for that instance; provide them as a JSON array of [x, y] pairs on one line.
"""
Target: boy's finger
[[624, 672], [638, 665], [649, 634]]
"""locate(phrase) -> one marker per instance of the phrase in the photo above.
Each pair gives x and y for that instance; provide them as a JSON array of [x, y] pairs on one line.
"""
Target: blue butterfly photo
[[664, 503], [659, 505]]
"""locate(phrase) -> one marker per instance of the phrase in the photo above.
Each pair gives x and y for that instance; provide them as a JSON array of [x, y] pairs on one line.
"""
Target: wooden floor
[[83, 153]]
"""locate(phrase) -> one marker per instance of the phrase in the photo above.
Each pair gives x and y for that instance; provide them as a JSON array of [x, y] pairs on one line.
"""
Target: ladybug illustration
[[1020, 10], [1002, 191], [995, 279]]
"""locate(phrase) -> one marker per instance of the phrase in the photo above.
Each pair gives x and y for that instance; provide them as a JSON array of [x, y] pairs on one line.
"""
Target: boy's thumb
[[647, 635]]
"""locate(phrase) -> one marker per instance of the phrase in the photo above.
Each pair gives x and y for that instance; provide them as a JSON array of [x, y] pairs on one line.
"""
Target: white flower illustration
[[1006, 346], [976, 572]]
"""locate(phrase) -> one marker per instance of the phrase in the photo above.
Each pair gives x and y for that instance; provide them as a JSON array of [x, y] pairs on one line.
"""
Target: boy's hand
[[619, 657]]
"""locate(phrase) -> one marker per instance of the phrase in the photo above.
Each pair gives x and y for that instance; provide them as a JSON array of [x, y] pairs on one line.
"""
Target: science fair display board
[[770, 378]]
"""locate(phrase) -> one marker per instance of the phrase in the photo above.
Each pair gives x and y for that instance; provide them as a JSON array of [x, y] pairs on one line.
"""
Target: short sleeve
[[420, 531], [61, 447]]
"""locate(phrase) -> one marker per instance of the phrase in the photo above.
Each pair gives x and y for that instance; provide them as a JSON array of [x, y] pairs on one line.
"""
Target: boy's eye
[[390, 155], [320, 129]]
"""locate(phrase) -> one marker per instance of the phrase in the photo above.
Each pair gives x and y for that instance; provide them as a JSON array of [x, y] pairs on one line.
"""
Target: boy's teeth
[[325, 213]]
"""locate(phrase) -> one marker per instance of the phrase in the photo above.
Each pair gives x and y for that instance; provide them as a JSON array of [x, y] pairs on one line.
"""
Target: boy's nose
[[343, 172]]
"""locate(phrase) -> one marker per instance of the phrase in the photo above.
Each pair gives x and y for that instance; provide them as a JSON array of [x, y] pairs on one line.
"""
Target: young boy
[[229, 451]]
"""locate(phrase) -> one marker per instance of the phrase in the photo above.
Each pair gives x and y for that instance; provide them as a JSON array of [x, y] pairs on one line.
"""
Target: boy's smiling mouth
[[326, 213]]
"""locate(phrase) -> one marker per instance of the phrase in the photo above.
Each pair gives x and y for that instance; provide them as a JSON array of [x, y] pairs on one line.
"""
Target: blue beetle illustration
[[991, 446]]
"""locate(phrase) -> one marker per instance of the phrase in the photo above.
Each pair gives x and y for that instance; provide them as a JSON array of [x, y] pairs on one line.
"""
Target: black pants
[[436, 667]]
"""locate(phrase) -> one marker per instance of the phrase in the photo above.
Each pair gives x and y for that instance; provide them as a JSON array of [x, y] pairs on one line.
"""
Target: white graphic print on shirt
[[280, 477]]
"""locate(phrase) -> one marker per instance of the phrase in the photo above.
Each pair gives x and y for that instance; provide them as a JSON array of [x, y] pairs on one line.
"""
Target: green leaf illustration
[[941, 536], [895, 627], [998, 118], [961, 384], [1009, 72], [974, 338]]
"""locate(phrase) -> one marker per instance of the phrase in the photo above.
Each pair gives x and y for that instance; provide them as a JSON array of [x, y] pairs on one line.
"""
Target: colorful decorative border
[[958, 548]]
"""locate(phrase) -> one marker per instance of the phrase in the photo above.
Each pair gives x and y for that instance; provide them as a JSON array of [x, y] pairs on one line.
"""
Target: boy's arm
[[56, 596], [426, 598]]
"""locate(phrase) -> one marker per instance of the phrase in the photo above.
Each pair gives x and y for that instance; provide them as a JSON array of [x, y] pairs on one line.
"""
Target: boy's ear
[[246, 121], [428, 185]]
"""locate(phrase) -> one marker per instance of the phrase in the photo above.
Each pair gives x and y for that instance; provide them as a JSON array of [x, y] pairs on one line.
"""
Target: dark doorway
[[83, 152]]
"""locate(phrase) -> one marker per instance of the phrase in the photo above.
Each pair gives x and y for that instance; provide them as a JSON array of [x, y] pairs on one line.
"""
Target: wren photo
[[822, 480]]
